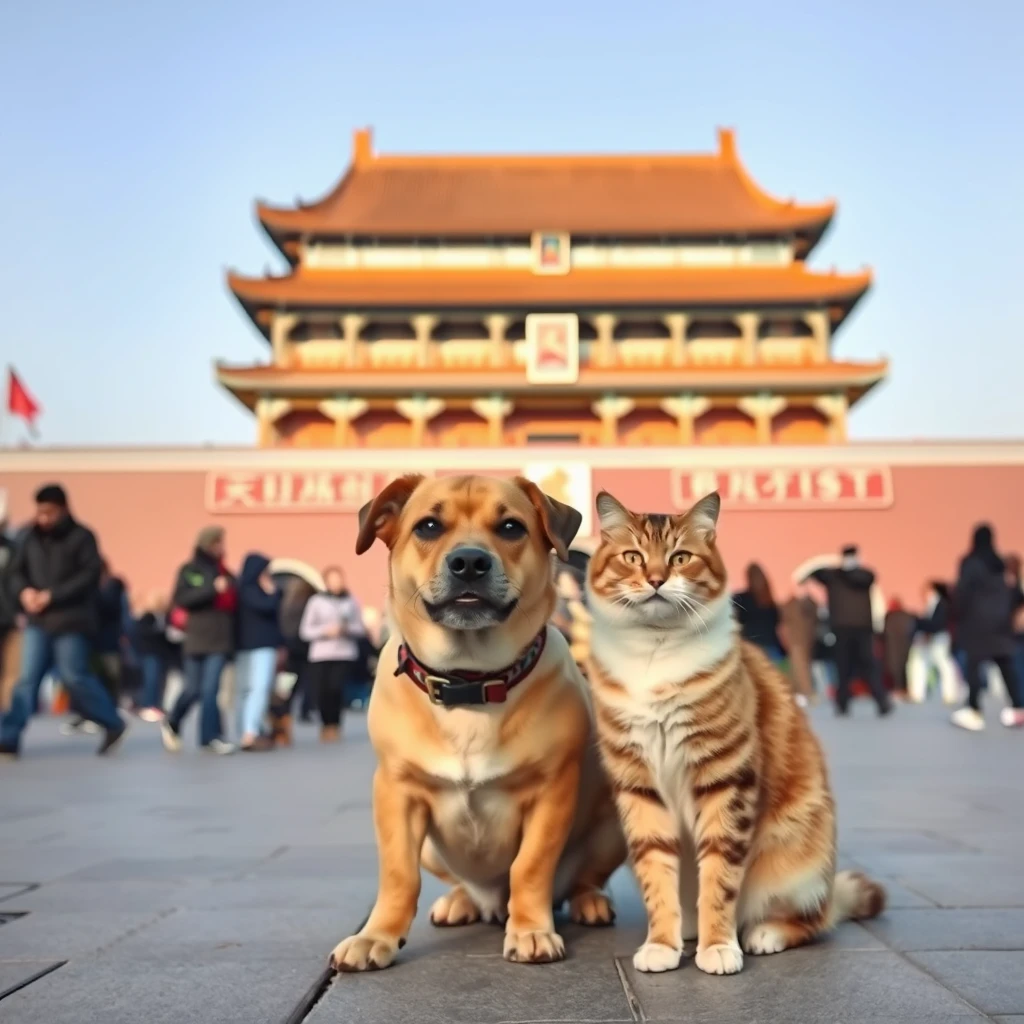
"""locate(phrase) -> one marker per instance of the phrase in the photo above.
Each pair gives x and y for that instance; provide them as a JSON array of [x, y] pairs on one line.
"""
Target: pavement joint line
[[25, 982], [635, 1006], [26, 887]]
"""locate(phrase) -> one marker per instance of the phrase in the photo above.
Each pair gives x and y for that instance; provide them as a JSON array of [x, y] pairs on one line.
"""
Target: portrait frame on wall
[[552, 348], [552, 251]]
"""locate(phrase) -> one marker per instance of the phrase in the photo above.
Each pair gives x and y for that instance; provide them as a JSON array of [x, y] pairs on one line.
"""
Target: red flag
[[20, 401]]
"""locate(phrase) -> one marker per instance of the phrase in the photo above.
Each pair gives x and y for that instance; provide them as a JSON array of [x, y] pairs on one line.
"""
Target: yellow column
[[676, 324], [835, 407], [497, 326], [279, 346], [343, 410], [604, 324], [423, 326], [268, 412], [611, 409], [494, 409], [762, 409], [685, 409], [821, 328], [748, 324], [419, 411], [351, 325]]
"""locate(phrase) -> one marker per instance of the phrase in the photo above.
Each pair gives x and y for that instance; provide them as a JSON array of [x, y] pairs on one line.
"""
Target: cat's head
[[658, 570]]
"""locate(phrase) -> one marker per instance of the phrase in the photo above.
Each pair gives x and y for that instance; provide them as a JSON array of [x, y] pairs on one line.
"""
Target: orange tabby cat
[[720, 783]]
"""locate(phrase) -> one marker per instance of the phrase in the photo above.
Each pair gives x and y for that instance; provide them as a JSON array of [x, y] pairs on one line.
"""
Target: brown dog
[[487, 773]]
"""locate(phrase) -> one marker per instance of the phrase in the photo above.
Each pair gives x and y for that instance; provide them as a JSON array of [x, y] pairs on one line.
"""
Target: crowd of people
[[283, 637], [279, 636]]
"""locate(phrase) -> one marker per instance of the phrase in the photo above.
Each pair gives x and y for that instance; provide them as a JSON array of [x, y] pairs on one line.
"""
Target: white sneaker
[[171, 740], [1012, 718], [220, 747], [968, 718]]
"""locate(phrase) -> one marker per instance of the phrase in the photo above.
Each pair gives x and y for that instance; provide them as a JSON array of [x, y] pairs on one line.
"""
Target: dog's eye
[[429, 528], [633, 557], [680, 558], [511, 529]]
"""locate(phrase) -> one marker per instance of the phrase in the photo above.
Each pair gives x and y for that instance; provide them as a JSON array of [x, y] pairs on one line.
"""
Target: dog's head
[[468, 553]]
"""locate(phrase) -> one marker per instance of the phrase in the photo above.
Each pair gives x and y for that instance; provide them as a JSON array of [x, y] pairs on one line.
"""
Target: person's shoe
[[258, 745], [1012, 718], [169, 737], [283, 731], [151, 715], [73, 727], [112, 740], [886, 709], [330, 734], [220, 747], [968, 718], [8, 753]]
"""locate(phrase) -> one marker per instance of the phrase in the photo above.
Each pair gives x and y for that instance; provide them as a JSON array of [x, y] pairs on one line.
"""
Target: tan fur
[[720, 783], [506, 802]]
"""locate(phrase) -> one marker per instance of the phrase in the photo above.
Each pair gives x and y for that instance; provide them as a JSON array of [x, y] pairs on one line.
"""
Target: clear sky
[[135, 136]]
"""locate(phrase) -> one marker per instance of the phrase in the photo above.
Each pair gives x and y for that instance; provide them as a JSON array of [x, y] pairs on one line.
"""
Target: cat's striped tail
[[855, 897]]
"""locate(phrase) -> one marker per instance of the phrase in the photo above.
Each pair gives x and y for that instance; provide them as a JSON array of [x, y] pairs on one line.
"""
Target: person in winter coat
[[55, 575], [259, 638], [897, 636], [10, 636], [799, 620], [206, 591], [932, 647], [985, 602], [332, 625], [757, 613], [848, 586]]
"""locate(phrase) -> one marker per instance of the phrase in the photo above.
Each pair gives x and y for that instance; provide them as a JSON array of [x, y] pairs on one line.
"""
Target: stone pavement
[[167, 890]]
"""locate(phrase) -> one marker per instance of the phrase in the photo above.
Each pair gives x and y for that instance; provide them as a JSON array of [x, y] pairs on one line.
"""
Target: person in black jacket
[[259, 638], [848, 586], [154, 651], [55, 575], [984, 602], [206, 591], [9, 610], [757, 613]]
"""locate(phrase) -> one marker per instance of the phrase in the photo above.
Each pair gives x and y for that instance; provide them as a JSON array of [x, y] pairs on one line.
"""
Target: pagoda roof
[[601, 288], [854, 379], [684, 195]]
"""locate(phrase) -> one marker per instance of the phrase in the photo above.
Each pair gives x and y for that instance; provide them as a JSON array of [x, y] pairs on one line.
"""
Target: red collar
[[455, 689]]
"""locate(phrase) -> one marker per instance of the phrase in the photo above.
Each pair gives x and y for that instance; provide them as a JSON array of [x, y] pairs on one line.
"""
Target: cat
[[719, 781]]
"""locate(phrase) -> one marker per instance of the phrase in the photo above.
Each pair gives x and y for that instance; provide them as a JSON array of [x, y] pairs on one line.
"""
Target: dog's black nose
[[469, 564]]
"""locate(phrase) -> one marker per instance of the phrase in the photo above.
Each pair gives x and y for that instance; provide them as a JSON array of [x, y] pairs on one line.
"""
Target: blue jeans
[[255, 672], [202, 683], [68, 655], [154, 675]]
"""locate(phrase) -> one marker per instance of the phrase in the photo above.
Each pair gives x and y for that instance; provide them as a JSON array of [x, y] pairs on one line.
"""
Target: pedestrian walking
[[332, 625], [758, 615], [985, 602], [897, 637], [798, 618], [259, 640], [55, 575], [205, 591], [848, 586], [154, 651], [932, 650]]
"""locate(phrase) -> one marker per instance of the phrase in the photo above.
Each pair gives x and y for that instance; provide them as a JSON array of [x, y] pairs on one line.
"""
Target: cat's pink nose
[[655, 581]]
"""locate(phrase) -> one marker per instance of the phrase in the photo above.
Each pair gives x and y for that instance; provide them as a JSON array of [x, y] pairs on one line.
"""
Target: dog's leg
[[606, 851], [530, 933], [455, 907], [400, 822]]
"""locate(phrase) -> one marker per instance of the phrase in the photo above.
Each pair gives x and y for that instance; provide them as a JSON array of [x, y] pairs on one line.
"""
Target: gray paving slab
[[16, 973], [912, 930], [992, 981], [62, 936]]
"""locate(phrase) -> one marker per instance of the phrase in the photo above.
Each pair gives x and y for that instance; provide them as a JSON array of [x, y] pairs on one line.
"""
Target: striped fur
[[720, 783]]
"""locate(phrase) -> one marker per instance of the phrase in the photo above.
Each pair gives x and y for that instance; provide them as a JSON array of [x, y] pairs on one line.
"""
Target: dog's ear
[[560, 522], [379, 518]]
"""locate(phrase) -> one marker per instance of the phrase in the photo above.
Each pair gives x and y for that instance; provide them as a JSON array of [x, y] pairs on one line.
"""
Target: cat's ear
[[611, 512], [703, 517]]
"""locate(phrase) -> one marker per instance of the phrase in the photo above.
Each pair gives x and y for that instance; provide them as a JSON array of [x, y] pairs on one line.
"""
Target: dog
[[487, 771]]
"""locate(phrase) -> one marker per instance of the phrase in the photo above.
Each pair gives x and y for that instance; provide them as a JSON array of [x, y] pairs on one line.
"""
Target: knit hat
[[209, 536]]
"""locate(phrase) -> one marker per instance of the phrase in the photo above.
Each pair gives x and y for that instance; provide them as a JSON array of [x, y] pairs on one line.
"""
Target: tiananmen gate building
[[646, 324]]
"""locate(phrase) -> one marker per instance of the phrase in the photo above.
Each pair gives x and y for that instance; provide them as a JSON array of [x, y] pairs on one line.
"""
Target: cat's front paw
[[722, 958], [764, 939], [533, 947], [655, 957], [364, 953]]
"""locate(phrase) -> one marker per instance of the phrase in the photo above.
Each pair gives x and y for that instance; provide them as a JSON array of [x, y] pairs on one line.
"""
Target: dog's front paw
[[364, 953], [454, 908], [533, 947], [722, 958], [655, 957], [592, 908]]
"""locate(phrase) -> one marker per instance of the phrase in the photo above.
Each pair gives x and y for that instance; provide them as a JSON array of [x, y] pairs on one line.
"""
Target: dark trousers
[[976, 683], [154, 676], [329, 680], [202, 684], [855, 659]]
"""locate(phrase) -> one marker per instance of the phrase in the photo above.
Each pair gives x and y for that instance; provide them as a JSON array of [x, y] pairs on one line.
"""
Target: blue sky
[[134, 138]]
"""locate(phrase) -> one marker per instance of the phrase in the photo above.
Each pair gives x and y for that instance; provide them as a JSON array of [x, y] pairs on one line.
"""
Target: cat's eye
[[428, 528], [680, 558], [633, 557]]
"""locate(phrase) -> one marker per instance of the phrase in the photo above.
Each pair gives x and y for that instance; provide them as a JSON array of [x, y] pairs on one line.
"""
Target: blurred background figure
[[851, 618], [931, 652], [571, 617], [205, 592], [985, 602], [10, 635], [758, 615], [1013, 575], [259, 638], [798, 619], [897, 637], [155, 652], [298, 583], [332, 625]]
